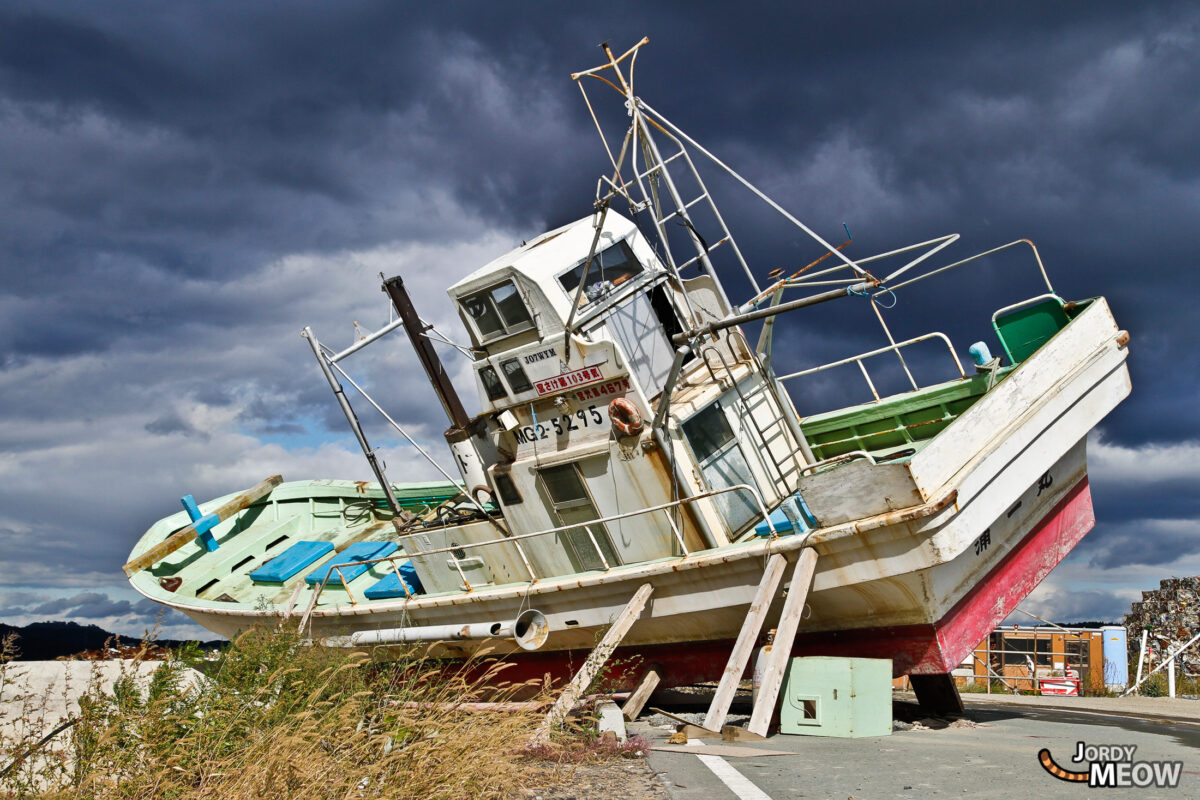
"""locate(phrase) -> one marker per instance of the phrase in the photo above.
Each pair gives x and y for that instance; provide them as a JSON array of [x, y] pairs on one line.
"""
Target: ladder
[[656, 175]]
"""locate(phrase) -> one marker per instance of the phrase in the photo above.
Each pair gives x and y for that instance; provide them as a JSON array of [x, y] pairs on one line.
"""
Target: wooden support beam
[[646, 685], [180, 538], [591, 667], [718, 710], [785, 637]]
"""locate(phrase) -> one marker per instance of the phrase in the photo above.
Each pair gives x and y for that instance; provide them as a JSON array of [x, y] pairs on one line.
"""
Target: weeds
[[276, 719]]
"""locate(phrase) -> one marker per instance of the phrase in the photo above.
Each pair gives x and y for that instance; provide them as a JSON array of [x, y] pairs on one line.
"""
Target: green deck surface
[[893, 423]]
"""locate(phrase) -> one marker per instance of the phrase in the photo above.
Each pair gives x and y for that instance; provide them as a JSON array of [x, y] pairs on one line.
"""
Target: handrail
[[1036, 255], [1027, 302], [662, 507], [858, 359], [853, 454]]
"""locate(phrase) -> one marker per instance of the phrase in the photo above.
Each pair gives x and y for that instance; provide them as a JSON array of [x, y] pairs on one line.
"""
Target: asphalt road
[[992, 753]]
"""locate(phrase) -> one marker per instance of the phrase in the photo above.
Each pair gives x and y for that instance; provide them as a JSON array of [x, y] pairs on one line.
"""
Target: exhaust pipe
[[529, 630]]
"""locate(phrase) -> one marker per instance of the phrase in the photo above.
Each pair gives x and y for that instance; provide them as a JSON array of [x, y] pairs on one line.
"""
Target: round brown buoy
[[626, 419]]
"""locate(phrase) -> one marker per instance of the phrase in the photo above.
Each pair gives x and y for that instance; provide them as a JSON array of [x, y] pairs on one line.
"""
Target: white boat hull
[[920, 585]]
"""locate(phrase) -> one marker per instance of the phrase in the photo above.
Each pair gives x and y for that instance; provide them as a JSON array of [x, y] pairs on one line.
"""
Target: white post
[[1141, 657], [1171, 677], [1169, 662]]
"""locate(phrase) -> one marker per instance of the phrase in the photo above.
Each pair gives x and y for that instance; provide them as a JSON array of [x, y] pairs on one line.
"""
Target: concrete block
[[610, 719]]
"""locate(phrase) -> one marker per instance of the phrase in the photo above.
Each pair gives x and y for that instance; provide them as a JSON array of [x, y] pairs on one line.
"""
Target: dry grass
[[277, 720]]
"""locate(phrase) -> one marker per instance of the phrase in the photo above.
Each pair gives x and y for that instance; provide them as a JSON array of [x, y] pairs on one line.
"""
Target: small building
[[1042, 658], [1023, 656]]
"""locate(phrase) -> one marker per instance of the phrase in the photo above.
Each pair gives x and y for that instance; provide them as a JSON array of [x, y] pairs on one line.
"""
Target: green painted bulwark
[[1023, 330]]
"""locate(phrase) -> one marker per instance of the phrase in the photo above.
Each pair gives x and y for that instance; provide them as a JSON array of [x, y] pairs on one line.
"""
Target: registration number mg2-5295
[[584, 422], [589, 417]]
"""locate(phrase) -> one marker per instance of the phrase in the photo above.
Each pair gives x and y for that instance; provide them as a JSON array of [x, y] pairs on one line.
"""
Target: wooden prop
[[718, 710], [180, 538], [583, 678], [637, 699], [785, 637]]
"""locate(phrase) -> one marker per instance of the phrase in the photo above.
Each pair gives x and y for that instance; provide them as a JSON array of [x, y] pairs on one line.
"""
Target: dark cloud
[[84, 600], [1144, 541], [1086, 606], [183, 190]]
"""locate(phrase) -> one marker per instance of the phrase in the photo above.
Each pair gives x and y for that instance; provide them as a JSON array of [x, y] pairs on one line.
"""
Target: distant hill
[[46, 641]]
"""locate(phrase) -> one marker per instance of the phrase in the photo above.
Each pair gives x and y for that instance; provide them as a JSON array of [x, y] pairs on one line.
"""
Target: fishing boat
[[634, 441]]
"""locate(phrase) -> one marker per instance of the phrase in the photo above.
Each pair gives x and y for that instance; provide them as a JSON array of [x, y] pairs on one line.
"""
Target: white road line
[[738, 783]]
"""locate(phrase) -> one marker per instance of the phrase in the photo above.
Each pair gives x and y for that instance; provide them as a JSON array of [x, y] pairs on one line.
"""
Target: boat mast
[[394, 287]]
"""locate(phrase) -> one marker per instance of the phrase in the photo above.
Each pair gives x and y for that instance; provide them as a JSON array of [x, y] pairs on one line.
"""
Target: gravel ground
[[628, 779]]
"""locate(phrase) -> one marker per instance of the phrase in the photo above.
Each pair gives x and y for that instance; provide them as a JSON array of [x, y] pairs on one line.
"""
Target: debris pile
[[1171, 613]]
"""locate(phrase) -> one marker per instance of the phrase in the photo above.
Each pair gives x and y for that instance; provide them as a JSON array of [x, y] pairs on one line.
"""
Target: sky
[[184, 186]]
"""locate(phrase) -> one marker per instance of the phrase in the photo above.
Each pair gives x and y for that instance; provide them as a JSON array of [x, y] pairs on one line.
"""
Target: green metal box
[[846, 697]]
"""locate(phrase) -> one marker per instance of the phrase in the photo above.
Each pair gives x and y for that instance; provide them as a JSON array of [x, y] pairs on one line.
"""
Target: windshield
[[609, 269]]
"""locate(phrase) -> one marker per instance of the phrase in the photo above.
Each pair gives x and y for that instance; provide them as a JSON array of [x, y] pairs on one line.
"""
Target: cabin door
[[573, 504], [638, 330], [722, 464]]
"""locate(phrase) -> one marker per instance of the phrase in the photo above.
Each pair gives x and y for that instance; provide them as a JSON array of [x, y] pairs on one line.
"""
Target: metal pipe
[[587, 266], [370, 337], [529, 630], [879, 351], [1170, 660], [664, 402], [763, 313], [336, 386]]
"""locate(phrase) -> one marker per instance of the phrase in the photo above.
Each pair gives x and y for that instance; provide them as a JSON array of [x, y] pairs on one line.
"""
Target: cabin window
[[491, 384], [507, 490], [571, 503], [498, 311], [518, 381], [723, 465], [708, 432], [610, 268]]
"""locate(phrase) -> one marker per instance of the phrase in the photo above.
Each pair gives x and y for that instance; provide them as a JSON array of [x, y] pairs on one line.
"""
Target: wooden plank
[[785, 637], [598, 657], [180, 538], [735, 733], [723, 750], [718, 710], [641, 693], [696, 732], [688, 729]]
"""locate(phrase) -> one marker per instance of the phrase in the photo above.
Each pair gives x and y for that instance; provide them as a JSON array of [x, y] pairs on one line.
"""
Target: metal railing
[[456, 560], [894, 348]]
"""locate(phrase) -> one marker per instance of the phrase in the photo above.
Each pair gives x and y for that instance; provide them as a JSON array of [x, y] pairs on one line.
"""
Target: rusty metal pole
[[428, 357], [763, 313]]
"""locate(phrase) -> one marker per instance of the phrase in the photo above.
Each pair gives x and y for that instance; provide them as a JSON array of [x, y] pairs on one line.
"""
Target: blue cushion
[[291, 561], [783, 521], [360, 551], [779, 520], [390, 586]]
